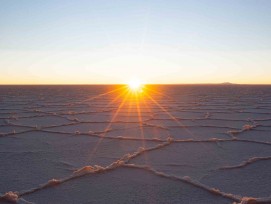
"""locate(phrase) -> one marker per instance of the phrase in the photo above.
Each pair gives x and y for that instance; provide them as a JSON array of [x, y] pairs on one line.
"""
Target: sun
[[135, 86]]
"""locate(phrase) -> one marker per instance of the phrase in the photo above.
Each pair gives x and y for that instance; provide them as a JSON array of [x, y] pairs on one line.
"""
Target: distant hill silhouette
[[227, 83]]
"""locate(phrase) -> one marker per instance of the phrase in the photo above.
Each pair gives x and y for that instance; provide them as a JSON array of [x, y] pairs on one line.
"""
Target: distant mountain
[[227, 83]]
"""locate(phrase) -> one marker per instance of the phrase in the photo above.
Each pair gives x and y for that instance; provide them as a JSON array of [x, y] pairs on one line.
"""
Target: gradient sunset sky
[[105, 42]]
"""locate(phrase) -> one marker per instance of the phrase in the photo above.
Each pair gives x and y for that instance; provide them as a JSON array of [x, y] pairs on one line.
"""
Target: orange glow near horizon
[[153, 66]]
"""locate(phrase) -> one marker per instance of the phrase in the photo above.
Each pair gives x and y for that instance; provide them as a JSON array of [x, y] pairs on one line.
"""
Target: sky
[[154, 41]]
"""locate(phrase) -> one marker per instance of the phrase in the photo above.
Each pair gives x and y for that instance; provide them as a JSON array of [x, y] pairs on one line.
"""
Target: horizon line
[[118, 84]]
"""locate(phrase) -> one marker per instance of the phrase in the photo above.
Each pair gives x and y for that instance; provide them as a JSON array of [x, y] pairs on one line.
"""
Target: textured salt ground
[[265, 122], [252, 180], [179, 115], [80, 128], [107, 116], [208, 123], [8, 129], [258, 134], [233, 124], [91, 117], [22, 114], [101, 128], [140, 132], [199, 159], [2, 121], [254, 109], [124, 186], [171, 122], [34, 158], [209, 113], [67, 108], [241, 116], [198, 133], [41, 121]]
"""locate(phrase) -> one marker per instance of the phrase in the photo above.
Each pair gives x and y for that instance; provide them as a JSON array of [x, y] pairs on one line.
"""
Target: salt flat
[[169, 144]]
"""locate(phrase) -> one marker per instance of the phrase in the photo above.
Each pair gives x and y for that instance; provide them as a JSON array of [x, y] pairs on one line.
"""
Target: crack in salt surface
[[245, 163], [186, 179]]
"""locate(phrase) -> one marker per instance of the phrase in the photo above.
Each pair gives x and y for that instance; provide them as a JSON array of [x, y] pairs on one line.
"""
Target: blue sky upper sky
[[80, 41]]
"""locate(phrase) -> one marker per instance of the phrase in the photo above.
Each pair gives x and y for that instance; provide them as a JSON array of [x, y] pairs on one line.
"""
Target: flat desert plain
[[196, 144]]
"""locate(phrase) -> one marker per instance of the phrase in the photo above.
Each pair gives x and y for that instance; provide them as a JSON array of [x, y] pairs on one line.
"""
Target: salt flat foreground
[[169, 144]]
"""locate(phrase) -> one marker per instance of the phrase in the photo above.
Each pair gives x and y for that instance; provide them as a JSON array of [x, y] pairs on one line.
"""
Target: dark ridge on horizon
[[227, 83]]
